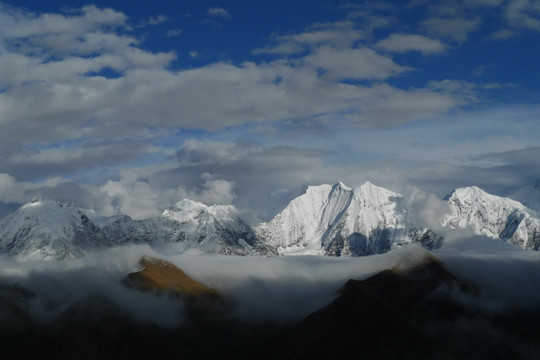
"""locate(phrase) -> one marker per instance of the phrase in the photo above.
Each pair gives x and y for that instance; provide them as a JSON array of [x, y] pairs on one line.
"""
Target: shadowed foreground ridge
[[411, 313], [418, 311], [200, 302]]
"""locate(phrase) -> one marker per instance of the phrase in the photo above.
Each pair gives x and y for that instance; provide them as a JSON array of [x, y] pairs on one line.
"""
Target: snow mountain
[[50, 229], [337, 220], [215, 229], [60, 230], [493, 216], [332, 220]]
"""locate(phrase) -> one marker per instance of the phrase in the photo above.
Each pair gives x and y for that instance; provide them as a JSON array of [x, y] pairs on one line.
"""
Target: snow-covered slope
[[493, 216], [50, 229], [330, 220], [216, 228], [337, 220]]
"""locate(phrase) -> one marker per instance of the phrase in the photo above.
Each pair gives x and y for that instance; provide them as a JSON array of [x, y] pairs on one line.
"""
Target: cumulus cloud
[[353, 64], [81, 97], [83, 77], [341, 35], [402, 43], [503, 34], [155, 20], [426, 209], [523, 14], [218, 12], [451, 28], [138, 195], [173, 32]]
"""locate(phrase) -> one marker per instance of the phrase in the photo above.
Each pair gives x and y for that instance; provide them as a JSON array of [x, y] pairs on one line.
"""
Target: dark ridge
[[418, 311], [411, 314]]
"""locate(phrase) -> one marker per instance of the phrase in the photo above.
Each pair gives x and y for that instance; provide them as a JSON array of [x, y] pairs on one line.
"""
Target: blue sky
[[128, 107]]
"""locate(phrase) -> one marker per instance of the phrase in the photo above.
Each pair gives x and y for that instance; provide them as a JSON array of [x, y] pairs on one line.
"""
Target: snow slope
[[59, 230], [50, 229], [216, 229], [493, 216], [337, 220], [330, 220]]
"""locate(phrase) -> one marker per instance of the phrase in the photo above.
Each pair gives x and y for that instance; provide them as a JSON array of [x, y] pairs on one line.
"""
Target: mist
[[269, 289], [277, 289], [507, 276]]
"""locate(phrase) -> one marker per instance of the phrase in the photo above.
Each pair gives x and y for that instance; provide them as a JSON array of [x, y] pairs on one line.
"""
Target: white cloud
[[361, 63], [155, 20], [67, 99], [487, 3], [401, 43], [503, 34], [341, 35], [173, 33], [523, 14], [218, 12], [451, 28], [58, 33], [103, 120], [139, 195]]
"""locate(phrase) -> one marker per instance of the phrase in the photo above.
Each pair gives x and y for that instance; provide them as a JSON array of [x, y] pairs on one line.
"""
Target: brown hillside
[[162, 276]]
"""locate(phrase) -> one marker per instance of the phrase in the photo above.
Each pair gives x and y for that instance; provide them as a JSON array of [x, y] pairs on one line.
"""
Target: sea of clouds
[[275, 289]]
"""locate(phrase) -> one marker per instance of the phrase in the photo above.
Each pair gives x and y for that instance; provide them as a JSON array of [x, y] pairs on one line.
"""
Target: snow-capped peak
[[474, 193], [343, 186], [47, 228], [493, 216], [187, 210], [339, 220], [370, 191]]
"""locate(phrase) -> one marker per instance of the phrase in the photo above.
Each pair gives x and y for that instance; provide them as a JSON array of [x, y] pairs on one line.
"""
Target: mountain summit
[[493, 216], [338, 220], [50, 229], [215, 229]]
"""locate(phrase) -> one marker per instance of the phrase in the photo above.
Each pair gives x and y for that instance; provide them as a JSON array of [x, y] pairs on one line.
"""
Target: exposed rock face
[[337, 220]]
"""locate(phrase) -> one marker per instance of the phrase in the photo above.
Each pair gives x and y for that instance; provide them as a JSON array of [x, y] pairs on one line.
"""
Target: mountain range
[[332, 220]]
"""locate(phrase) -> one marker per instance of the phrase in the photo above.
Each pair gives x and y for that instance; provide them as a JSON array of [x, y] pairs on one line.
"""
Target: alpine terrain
[[332, 220], [493, 216], [59, 230], [337, 220], [50, 229]]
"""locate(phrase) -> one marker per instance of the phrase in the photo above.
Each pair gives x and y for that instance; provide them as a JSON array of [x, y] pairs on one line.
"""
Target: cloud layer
[[91, 110]]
